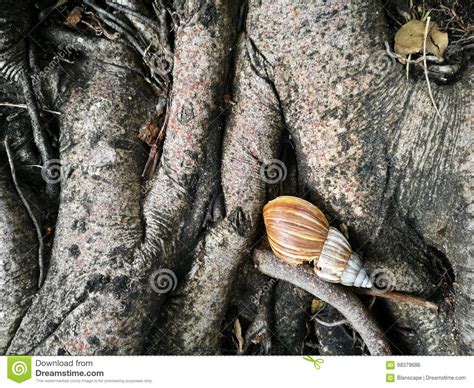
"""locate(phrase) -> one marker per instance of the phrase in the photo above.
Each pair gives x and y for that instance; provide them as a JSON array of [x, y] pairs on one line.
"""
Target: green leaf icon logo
[[19, 368]]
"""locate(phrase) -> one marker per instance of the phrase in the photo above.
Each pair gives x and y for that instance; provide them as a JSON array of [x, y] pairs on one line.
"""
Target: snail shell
[[299, 232]]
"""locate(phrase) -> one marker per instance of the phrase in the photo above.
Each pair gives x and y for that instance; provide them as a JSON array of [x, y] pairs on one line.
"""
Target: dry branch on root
[[339, 297]]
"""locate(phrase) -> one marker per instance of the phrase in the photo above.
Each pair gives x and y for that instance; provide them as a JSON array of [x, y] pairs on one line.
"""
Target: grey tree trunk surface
[[240, 102]]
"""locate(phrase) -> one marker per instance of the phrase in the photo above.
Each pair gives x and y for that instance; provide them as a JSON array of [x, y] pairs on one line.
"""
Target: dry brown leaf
[[237, 331], [74, 16], [437, 41], [409, 39], [316, 305], [149, 131]]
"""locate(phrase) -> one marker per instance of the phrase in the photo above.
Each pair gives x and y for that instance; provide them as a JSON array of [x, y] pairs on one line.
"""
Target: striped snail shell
[[299, 232]]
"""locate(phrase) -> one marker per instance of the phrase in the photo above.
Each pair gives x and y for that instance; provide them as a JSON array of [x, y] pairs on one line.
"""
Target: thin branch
[[425, 66], [397, 296], [23, 106], [38, 136], [330, 324], [402, 59], [29, 211], [341, 298], [118, 25], [408, 67]]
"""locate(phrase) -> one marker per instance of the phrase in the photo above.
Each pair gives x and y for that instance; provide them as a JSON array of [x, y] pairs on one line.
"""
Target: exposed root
[[29, 211], [191, 322], [258, 331], [425, 66], [39, 139]]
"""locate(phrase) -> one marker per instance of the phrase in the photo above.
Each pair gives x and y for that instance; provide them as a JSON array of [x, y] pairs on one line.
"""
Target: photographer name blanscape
[[431, 378]]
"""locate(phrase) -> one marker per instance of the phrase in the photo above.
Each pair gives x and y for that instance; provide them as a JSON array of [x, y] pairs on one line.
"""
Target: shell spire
[[339, 264]]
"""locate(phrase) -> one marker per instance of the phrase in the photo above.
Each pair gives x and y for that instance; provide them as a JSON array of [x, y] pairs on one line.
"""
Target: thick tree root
[[18, 259], [192, 320], [84, 305]]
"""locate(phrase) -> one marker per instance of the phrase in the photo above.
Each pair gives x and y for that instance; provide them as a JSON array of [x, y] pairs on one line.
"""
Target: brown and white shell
[[299, 232]]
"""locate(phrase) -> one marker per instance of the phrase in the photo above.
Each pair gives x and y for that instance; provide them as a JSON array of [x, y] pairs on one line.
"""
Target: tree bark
[[301, 89]]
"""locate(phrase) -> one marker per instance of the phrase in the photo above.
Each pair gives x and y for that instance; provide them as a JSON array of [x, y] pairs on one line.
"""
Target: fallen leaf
[[74, 16], [437, 41], [409, 39], [237, 331], [149, 131], [316, 305]]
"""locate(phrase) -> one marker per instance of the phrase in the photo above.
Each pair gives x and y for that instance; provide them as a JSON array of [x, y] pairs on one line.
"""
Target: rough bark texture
[[302, 85], [99, 222], [362, 135], [18, 265], [192, 323]]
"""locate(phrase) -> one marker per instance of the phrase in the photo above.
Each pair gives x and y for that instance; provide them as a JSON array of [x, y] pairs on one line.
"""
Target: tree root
[[342, 299], [18, 260], [32, 216], [192, 320], [291, 313], [41, 143], [259, 330]]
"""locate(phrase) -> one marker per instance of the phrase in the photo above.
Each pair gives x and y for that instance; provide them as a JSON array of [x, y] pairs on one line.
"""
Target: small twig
[[401, 58], [341, 298], [118, 25], [425, 66], [372, 302], [330, 324], [23, 106], [397, 296], [155, 152], [39, 139], [29, 211], [408, 67]]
